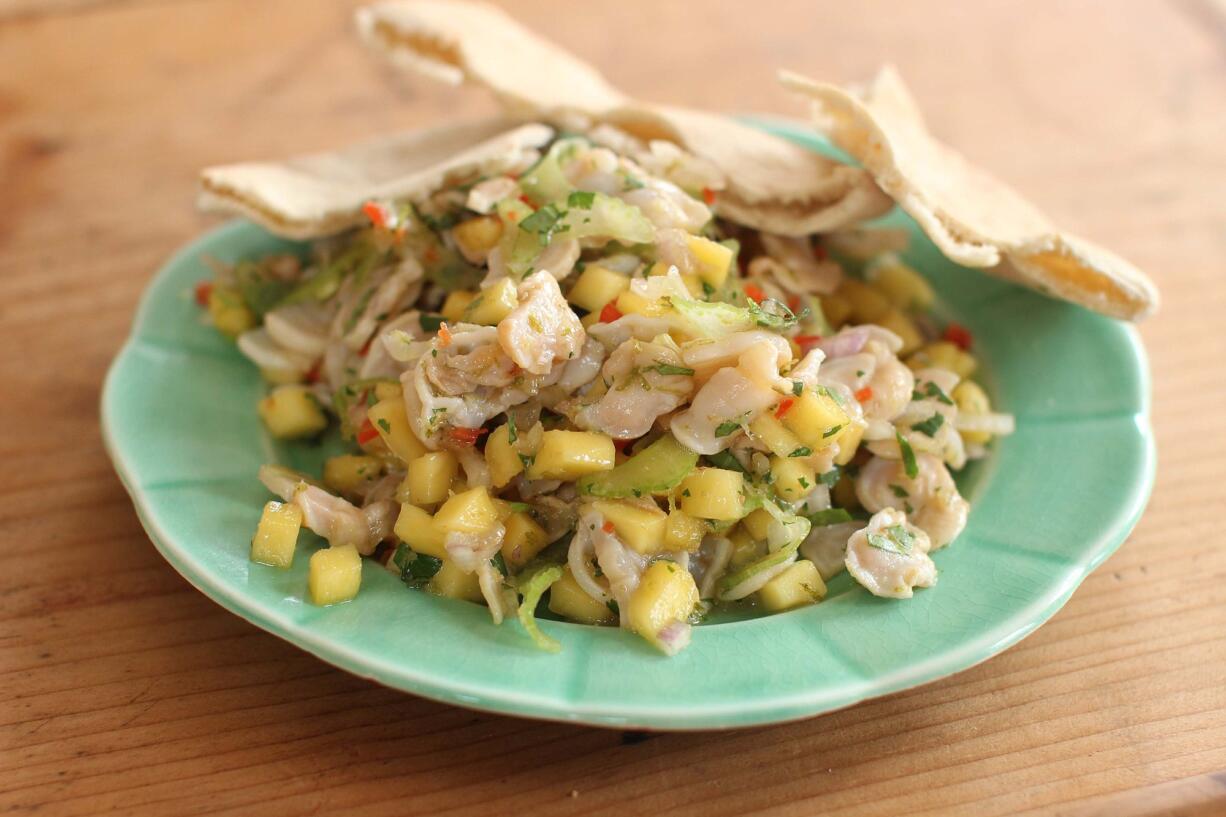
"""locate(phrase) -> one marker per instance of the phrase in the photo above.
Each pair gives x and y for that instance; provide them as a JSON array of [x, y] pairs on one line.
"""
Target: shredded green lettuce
[[657, 468], [532, 586], [717, 320]]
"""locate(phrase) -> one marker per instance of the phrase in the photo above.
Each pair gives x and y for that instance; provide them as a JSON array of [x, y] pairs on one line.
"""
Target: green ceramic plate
[[1049, 505]]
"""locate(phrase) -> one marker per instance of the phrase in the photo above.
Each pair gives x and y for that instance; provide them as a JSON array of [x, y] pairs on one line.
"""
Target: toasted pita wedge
[[973, 218], [772, 184], [322, 194]]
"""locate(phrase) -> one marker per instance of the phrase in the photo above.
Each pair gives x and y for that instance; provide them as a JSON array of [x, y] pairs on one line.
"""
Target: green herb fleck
[[830, 432], [727, 427], [830, 516], [797, 387], [934, 391], [500, 563], [908, 456], [581, 198], [931, 425], [668, 368], [385, 425], [829, 478], [803, 451], [512, 433], [899, 491]]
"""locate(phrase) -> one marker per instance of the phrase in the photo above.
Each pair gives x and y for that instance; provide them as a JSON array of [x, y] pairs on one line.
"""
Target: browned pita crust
[[973, 218], [322, 194], [772, 184]]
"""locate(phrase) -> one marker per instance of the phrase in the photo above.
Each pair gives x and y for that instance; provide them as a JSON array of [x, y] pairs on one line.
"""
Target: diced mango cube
[[712, 260], [334, 575], [351, 474], [684, 532], [493, 304], [898, 323], [815, 417], [567, 599], [468, 512], [867, 304], [501, 457], [712, 493], [390, 419], [798, 585], [596, 287], [900, 283], [972, 400], [477, 236], [229, 312], [631, 303], [640, 526], [757, 524], [666, 595], [794, 478], [416, 529], [943, 354], [836, 308], [524, 539], [774, 435], [453, 308], [430, 477], [277, 535], [291, 412], [453, 583], [569, 455], [849, 440], [746, 547]]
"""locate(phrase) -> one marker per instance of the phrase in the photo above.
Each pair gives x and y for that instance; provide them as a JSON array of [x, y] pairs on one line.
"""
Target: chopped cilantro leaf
[[830, 432], [829, 478], [385, 425], [797, 387], [512, 434], [668, 368], [934, 391], [931, 425], [830, 516], [580, 198], [726, 428], [803, 451], [908, 456], [899, 491]]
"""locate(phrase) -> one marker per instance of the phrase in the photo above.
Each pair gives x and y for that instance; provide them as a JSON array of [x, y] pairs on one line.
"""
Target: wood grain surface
[[124, 690]]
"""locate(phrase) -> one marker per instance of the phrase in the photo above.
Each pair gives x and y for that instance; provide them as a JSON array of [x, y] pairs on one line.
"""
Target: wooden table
[[124, 690]]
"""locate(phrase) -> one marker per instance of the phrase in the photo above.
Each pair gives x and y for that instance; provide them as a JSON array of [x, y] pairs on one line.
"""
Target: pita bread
[[322, 194], [772, 184], [973, 218]]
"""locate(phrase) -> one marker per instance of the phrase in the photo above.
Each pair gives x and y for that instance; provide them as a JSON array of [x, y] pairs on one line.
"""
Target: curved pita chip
[[772, 184], [974, 219], [323, 193]]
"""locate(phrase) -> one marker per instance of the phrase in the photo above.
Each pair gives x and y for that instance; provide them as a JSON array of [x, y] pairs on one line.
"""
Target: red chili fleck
[[365, 349], [608, 527], [465, 436], [367, 432], [203, 290], [807, 342], [755, 293], [444, 335], [708, 195], [312, 375], [610, 313], [376, 214], [865, 393], [959, 335], [785, 406], [524, 198]]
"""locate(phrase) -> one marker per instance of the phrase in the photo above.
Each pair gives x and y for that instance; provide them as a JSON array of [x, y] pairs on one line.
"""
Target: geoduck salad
[[564, 377]]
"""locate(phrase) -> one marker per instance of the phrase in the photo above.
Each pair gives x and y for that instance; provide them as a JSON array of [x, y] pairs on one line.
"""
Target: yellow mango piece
[[567, 599], [757, 524], [746, 547], [797, 586], [416, 529], [568, 455], [898, 323], [389, 418], [666, 594], [493, 304], [229, 313], [468, 512], [388, 390], [349, 474], [814, 418], [712, 493], [867, 304], [596, 287], [836, 308], [524, 539], [640, 527], [793, 478], [292, 412], [503, 460], [712, 260], [631, 303], [900, 283], [430, 477], [276, 536], [456, 303], [477, 236], [281, 377], [453, 583], [684, 532], [334, 575], [773, 434], [849, 440], [972, 400], [943, 354]]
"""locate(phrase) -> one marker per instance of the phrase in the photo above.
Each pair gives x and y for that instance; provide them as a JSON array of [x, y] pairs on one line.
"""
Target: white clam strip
[[567, 377]]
